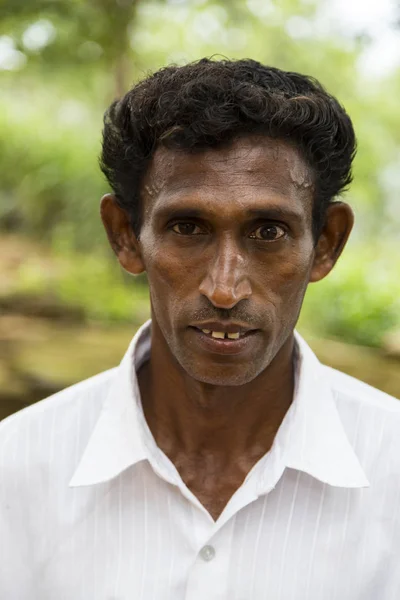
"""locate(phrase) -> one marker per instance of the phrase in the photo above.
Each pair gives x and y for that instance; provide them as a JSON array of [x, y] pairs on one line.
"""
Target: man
[[220, 460]]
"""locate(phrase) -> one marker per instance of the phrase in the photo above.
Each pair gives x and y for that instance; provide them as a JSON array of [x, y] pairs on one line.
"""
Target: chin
[[222, 376]]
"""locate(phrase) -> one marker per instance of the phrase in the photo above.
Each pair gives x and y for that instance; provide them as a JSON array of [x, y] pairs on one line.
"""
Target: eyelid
[[200, 225], [263, 223], [192, 221], [271, 224]]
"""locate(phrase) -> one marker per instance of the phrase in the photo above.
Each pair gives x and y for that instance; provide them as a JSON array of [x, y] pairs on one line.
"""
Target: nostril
[[225, 294]]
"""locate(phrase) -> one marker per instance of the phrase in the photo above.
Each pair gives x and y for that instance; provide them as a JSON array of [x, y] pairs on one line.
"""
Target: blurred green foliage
[[86, 282], [50, 180], [69, 58], [360, 300]]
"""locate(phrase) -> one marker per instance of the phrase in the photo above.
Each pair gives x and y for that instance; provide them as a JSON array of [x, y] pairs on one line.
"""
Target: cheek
[[285, 280], [169, 265], [164, 269], [281, 277], [167, 275]]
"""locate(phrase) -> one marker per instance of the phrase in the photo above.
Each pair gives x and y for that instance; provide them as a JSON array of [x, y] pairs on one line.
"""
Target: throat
[[214, 435], [211, 483]]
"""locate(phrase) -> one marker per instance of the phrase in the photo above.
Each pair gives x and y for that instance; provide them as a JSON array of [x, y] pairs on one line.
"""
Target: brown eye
[[186, 228], [268, 233]]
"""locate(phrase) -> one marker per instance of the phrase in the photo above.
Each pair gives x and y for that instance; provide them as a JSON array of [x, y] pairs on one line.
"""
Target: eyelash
[[263, 225]]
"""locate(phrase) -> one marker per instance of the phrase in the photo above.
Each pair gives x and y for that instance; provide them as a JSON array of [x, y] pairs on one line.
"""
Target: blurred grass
[[91, 286]]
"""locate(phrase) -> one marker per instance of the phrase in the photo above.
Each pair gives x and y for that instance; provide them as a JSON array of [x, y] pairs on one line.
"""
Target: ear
[[121, 236], [338, 225]]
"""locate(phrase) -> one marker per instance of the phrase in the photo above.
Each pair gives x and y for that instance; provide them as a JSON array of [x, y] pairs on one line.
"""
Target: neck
[[231, 423]]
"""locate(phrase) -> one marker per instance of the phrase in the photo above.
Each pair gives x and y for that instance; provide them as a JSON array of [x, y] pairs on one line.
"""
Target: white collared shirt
[[92, 509]]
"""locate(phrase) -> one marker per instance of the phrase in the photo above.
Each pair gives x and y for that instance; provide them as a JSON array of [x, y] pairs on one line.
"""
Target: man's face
[[226, 239]]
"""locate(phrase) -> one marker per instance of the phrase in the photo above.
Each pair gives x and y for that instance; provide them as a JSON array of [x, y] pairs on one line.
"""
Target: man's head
[[224, 175]]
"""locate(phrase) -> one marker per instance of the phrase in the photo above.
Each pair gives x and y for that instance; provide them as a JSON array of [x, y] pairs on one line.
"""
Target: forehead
[[251, 170]]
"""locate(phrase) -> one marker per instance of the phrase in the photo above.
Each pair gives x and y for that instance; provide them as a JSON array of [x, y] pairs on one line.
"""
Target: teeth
[[218, 334], [221, 334], [233, 336]]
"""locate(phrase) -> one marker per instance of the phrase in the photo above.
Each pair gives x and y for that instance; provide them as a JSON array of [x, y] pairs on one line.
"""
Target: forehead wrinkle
[[232, 192], [244, 179], [165, 176], [240, 206]]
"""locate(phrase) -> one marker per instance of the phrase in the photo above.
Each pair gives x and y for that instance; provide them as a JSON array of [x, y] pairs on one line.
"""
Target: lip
[[227, 327], [225, 346]]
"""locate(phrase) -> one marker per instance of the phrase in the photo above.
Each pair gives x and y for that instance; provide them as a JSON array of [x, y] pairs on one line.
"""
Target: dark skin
[[226, 236]]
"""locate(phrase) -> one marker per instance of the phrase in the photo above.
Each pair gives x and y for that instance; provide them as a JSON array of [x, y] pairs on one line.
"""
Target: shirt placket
[[208, 578]]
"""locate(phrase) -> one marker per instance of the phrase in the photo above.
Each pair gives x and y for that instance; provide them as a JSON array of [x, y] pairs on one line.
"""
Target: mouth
[[224, 342]]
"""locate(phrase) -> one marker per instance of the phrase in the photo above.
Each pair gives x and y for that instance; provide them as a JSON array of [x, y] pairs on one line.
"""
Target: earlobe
[[323, 262], [120, 235], [338, 225], [131, 260]]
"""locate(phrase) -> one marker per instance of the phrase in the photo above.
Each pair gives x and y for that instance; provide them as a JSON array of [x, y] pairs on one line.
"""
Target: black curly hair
[[209, 103]]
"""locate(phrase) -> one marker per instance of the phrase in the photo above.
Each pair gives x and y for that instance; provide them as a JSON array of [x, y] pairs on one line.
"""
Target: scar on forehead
[[152, 189], [300, 174]]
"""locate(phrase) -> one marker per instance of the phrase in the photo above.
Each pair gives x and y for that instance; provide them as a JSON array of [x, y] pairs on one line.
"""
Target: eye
[[268, 233], [186, 228]]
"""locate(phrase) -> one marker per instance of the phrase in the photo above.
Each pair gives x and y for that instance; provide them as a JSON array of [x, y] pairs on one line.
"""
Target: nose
[[226, 281]]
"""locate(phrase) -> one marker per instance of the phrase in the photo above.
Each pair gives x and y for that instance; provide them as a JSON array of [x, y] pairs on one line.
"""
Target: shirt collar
[[121, 436], [311, 437]]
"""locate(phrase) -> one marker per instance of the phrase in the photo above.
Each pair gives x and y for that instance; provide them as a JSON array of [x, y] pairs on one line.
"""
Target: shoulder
[[63, 402], [53, 429], [352, 390], [371, 419]]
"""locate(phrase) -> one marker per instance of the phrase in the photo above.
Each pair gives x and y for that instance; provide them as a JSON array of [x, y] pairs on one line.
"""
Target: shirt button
[[207, 553]]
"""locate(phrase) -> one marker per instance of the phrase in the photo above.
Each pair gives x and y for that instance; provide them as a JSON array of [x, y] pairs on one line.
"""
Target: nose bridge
[[226, 281], [228, 262]]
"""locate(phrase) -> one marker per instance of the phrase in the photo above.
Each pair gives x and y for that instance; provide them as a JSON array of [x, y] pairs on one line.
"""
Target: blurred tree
[[82, 44], [72, 57], [80, 32]]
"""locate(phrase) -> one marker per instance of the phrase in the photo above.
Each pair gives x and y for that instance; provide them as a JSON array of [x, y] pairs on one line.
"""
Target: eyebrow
[[272, 212]]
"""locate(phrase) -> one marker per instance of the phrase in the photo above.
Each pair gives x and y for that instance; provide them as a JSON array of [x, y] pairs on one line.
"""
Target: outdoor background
[[67, 310]]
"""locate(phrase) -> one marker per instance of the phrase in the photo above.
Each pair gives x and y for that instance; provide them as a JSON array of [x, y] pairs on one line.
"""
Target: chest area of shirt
[[145, 540]]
